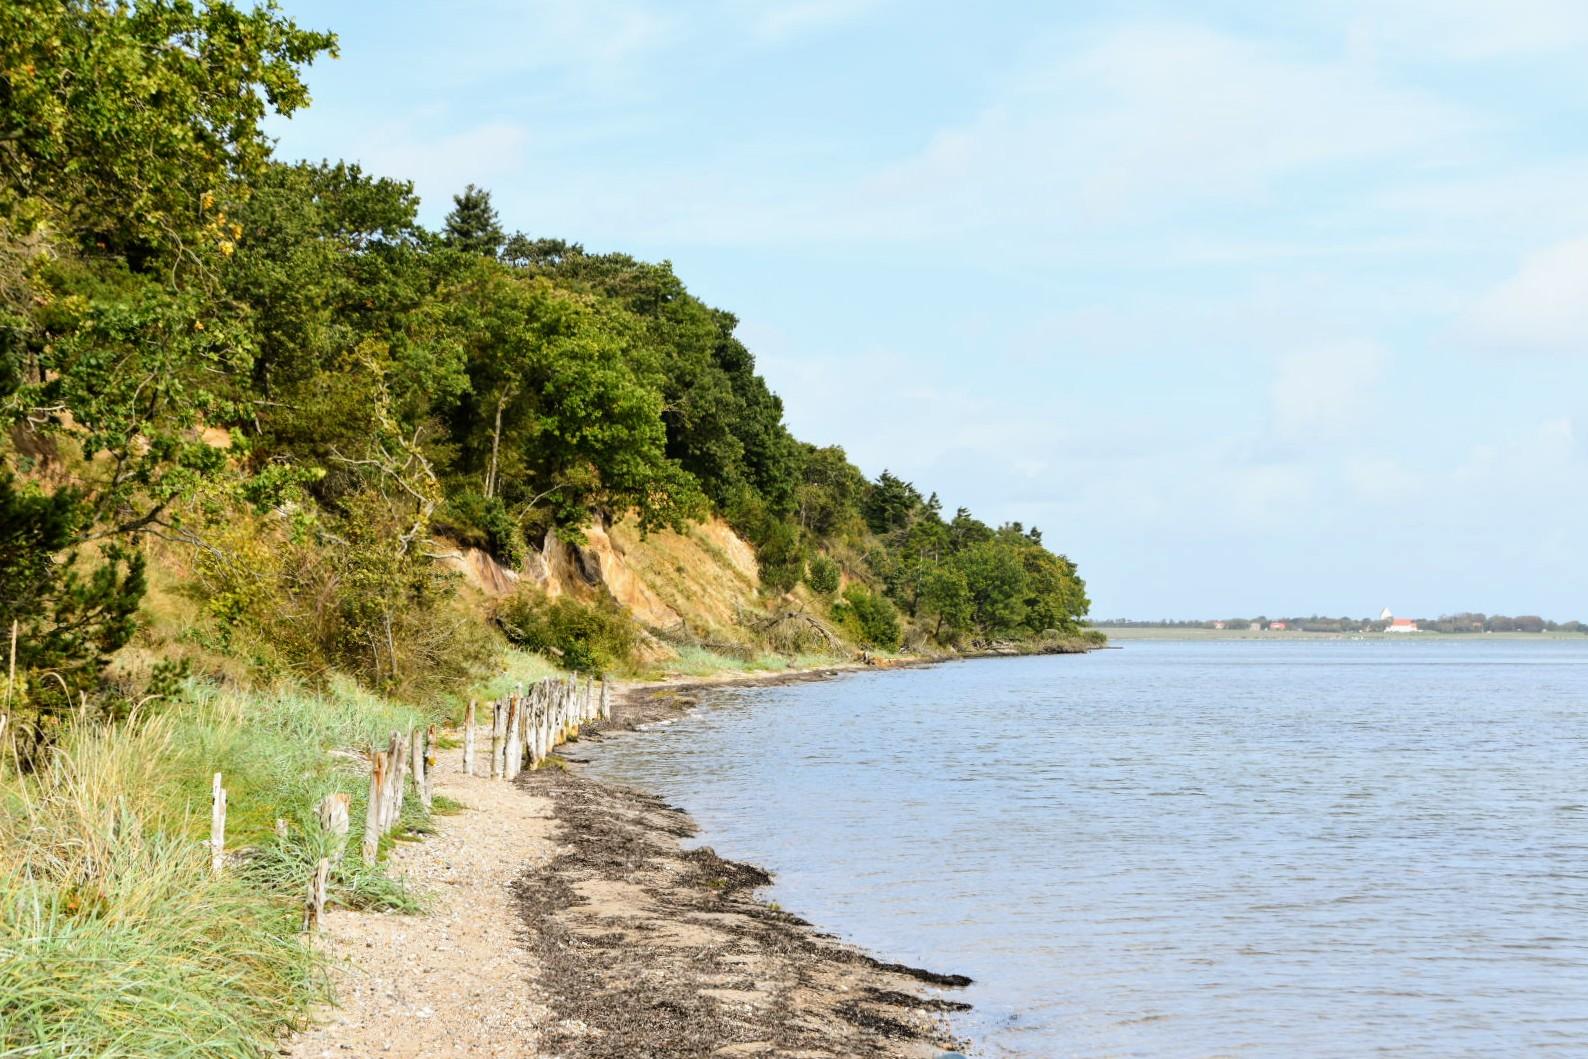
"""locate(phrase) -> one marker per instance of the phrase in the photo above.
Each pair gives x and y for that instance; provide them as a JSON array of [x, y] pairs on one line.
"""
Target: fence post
[[606, 700], [468, 740], [496, 740], [512, 751], [375, 813], [334, 821], [421, 766], [217, 826], [315, 907]]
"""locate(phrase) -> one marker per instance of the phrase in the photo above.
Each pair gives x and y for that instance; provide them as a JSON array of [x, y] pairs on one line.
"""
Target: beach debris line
[[526, 727]]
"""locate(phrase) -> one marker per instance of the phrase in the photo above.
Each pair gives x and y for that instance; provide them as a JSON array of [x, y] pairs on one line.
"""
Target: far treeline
[[276, 368], [1464, 622]]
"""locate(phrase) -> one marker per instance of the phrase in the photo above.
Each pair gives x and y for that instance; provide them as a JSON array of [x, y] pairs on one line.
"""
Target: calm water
[[1183, 849]]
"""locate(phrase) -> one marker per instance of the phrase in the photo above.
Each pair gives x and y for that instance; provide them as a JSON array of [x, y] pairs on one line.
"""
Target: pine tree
[[473, 225], [68, 620]]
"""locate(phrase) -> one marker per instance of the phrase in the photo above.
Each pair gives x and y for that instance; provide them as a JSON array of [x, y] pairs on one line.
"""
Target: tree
[[67, 623], [998, 587], [473, 226], [946, 596]]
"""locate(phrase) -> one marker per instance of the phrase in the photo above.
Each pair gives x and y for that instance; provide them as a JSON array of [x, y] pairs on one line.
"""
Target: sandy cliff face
[[703, 577]]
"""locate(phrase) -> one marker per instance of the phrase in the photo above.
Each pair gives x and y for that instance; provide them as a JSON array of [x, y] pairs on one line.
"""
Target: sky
[[1252, 308]]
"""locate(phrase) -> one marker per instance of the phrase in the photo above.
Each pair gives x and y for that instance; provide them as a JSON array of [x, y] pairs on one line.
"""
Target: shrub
[[587, 637], [822, 576], [870, 617], [478, 521]]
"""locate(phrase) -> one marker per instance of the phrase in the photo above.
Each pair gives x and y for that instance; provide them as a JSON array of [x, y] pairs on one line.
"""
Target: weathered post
[[468, 740], [396, 772], [314, 908], [513, 755], [334, 821], [421, 766], [606, 700], [375, 814], [217, 825], [496, 740]]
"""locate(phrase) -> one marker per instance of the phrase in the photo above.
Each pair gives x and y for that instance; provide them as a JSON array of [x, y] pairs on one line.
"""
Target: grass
[[115, 938], [694, 661], [514, 668]]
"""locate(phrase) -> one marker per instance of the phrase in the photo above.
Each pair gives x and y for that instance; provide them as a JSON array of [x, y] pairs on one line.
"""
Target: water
[[1182, 849]]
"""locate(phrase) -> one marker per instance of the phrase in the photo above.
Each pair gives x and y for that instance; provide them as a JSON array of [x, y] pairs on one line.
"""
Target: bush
[[873, 620], [822, 576], [336, 595], [477, 521], [586, 637]]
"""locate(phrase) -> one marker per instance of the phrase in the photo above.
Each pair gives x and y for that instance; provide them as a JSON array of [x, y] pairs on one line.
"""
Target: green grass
[[115, 938], [514, 668], [693, 661]]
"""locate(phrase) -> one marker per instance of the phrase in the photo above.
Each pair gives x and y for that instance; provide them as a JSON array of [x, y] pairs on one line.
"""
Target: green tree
[[473, 226], [998, 587], [68, 621], [946, 598]]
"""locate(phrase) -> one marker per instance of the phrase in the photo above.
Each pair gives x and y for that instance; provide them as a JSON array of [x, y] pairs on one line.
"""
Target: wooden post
[[421, 766], [396, 780], [496, 740], [606, 700], [375, 814], [588, 703], [315, 907], [468, 740], [512, 752], [334, 821], [217, 825]]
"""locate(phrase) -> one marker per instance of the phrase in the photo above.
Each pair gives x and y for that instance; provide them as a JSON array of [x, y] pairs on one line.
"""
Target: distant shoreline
[[1116, 633]]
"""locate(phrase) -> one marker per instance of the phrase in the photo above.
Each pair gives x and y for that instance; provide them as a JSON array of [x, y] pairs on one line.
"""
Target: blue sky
[[1251, 307]]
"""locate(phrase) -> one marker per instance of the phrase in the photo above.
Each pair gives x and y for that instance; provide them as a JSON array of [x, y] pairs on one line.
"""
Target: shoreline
[[565, 918], [648, 948]]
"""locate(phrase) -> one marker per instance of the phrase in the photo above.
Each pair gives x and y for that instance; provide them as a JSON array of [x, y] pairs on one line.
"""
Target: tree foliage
[[195, 337]]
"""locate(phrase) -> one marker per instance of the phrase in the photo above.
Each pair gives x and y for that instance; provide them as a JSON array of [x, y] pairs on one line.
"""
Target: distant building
[[1220, 625], [1402, 625], [1278, 626], [1385, 615], [1256, 626]]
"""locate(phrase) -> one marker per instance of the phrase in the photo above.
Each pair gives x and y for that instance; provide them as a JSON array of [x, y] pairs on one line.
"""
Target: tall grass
[[695, 661], [115, 938], [515, 666]]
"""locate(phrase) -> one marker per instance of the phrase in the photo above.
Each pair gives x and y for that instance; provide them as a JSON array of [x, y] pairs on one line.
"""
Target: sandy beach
[[567, 919]]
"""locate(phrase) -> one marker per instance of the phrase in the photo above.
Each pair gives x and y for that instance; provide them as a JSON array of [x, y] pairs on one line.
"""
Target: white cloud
[[1327, 392], [1543, 307]]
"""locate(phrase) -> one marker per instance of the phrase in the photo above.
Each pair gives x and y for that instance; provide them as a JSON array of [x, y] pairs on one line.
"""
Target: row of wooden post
[[389, 769], [526, 728]]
